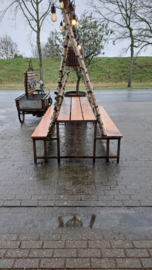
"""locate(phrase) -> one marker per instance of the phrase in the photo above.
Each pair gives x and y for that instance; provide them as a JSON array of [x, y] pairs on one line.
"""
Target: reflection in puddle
[[75, 222]]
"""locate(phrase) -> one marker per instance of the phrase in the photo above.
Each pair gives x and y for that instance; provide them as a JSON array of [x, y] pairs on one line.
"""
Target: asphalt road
[[141, 95]]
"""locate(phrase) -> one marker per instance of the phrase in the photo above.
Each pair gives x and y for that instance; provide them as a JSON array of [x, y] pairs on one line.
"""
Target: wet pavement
[[125, 95], [76, 214]]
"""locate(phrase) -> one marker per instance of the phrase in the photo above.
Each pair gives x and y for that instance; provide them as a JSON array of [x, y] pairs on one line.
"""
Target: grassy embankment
[[111, 73]]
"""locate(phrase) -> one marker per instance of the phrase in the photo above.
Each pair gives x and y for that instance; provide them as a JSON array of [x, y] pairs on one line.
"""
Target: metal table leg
[[45, 150], [58, 142], [94, 146], [118, 150], [108, 142], [34, 150]]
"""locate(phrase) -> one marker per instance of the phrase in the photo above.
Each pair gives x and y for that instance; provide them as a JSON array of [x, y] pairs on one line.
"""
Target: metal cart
[[34, 101]]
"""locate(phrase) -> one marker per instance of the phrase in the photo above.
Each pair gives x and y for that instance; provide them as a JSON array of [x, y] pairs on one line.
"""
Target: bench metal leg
[[118, 150], [94, 146], [58, 142], [108, 143], [34, 150], [45, 150]]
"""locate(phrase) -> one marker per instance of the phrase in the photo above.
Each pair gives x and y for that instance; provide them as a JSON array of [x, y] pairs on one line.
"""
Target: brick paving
[[112, 203], [86, 254]]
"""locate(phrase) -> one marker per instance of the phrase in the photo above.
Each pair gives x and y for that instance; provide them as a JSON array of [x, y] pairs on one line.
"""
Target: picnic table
[[76, 110]]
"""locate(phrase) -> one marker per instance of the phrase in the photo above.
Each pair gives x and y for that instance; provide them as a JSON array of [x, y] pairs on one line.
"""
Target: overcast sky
[[21, 32]]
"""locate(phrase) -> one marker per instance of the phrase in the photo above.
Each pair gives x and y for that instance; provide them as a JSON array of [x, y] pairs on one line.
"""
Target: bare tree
[[8, 48], [35, 13], [143, 14], [120, 14]]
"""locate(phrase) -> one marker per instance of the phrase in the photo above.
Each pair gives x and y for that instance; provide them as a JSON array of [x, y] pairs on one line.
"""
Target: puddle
[[105, 220]]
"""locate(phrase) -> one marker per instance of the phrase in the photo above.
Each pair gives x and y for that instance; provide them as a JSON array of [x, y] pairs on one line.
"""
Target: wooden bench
[[41, 132], [112, 134]]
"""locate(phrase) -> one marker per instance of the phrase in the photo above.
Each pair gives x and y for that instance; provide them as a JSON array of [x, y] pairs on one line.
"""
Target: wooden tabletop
[[76, 109]]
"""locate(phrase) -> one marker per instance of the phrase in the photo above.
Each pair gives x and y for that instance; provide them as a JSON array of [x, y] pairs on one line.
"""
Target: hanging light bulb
[[61, 4], [53, 15], [63, 23], [77, 23], [74, 20], [61, 26], [79, 47]]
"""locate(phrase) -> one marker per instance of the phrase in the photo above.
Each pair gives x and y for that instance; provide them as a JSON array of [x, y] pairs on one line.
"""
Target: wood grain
[[29, 76], [76, 112], [87, 112], [42, 129], [64, 114], [111, 129]]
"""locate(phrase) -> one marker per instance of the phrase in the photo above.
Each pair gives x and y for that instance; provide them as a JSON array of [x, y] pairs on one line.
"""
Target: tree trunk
[[78, 83], [38, 41], [131, 62]]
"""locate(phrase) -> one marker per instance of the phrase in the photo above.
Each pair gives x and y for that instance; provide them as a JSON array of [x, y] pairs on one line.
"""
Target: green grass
[[109, 73]]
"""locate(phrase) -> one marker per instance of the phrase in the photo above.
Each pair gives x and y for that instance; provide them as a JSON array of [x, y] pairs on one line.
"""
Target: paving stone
[[31, 244], [122, 197], [131, 203], [92, 236], [8, 237], [19, 230], [89, 253], [103, 263], [29, 203], [9, 244], [29, 237], [142, 244], [47, 237], [41, 253], [145, 202], [16, 253], [76, 244], [23, 197], [71, 237], [133, 236], [6, 263], [65, 253], [12, 203], [2, 252], [52, 263], [137, 253], [128, 263], [77, 263], [121, 244], [126, 192], [46, 203], [147, 263], [26, 263], [99, 244], [54, 244], [110, 236], [113, 253]]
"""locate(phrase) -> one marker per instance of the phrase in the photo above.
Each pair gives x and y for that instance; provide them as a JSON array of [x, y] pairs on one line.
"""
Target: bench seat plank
[[76, 112], [64, 114], [42, 129], [88, 114], [111, 129]]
